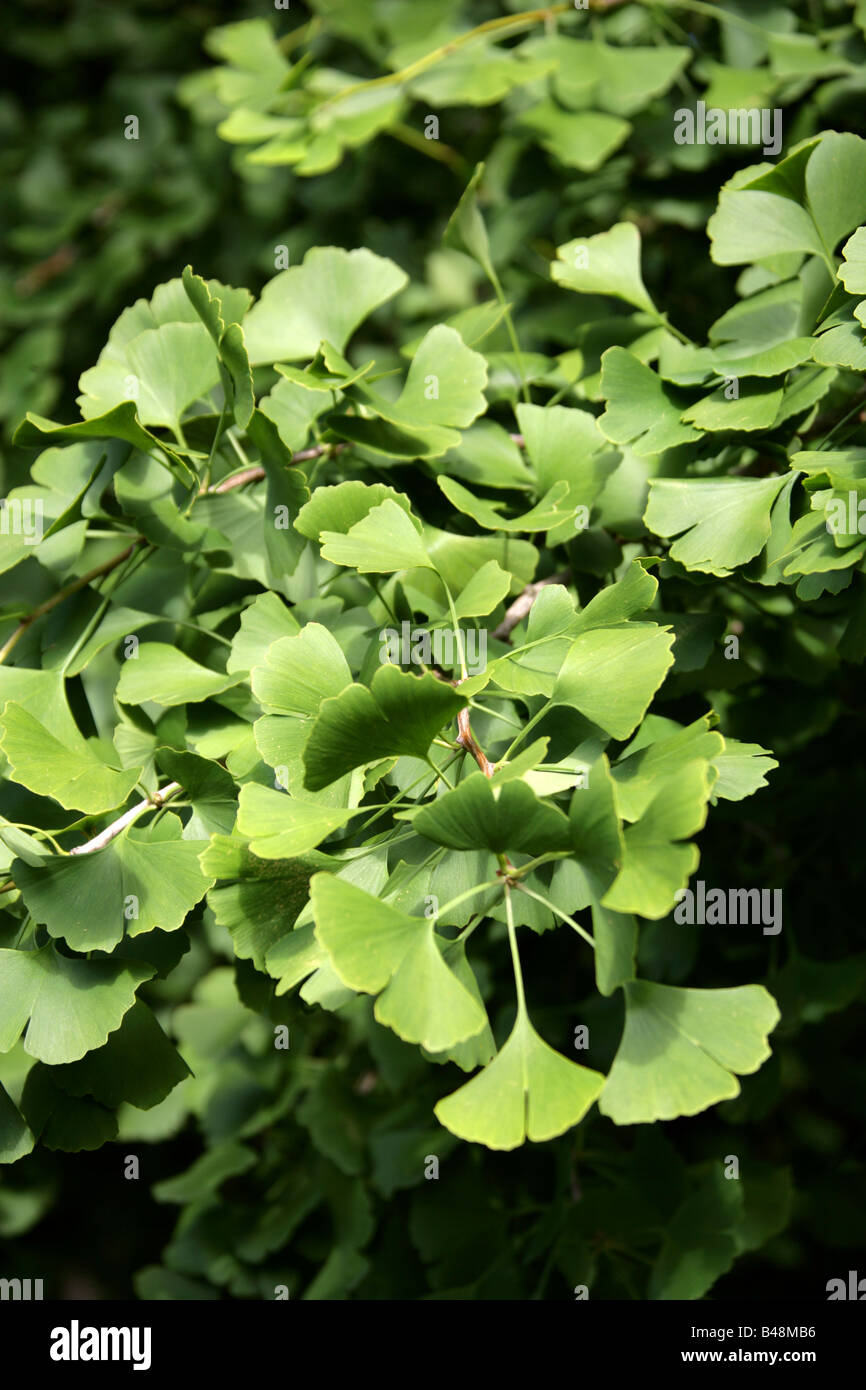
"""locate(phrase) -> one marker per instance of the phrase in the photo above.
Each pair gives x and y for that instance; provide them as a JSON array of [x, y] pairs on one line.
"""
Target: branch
[[256, 473], [105, 568], [522, 604], [110, 832], [467, 740], [437, 55]]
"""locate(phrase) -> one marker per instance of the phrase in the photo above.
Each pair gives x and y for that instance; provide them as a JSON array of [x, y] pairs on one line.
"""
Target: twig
[[522, 604], [105, 568], [255, 473], [467, 740], [110, 832]]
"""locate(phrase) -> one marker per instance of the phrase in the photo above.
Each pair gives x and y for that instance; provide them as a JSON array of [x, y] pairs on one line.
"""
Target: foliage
[[375, 665]]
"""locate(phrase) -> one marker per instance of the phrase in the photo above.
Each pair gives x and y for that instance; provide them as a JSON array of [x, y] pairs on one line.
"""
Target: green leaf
[[477, 816], [399, 715], [565, 444], [162, 371], [374, 947], [121, 422], [484, 592], [466, 229], [137, 1065], [167, 676], [754, 408], [528, 1091], [61, 1121], [137, 883], [655, 865], [443, 393], [553, 508], [611, 674], [280, 827], [641, 410], [16, 1139], [265, 620], [741, 769], [383, 541], [608, 263], [261, 904], [578, 139], [228, 337], [326, 298], [681, 1049], [65, 768], [300, 671], [72, 1004], [721, 523]]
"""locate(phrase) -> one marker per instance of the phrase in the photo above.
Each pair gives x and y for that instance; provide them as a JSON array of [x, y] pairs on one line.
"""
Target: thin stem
[[557, 912], [530, 724], [470, 892], [434, 149], [714, 12], [515, 957], [458, 635], [513, 22], [90, 627], [81, 583], [512, 334], [205, 484], [533, 864], [117, 827]]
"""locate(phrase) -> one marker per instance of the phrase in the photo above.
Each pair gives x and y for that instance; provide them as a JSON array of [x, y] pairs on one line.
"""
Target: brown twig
[[256, 473], [522, 604], [467, 740], [105, 568]]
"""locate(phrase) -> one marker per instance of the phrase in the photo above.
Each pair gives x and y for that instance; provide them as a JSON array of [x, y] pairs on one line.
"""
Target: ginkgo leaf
[[65, 768], [294, 956], [399, 714], [300, 671], [264, 621], [326, 297], [528, 1091], [137, 1065], [443, 393], [466, 229], [210, 305], [682, 1049], [726, 521], [551, 509], [280, 827], [755, 407], [167, 676], [579, 139], [121, 422], [259, 899], [608, 263], [641, 410], [72, 1004], [16, 1137], [383, 541], [484, 591], [339, 508], [162, 371], [566, 444], [475, 816], [611, 674], [374, 947], [139, 882], [656, 865]]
